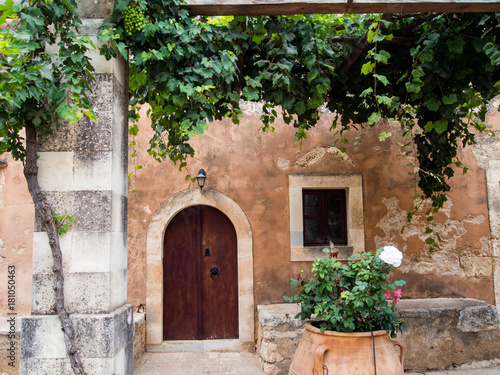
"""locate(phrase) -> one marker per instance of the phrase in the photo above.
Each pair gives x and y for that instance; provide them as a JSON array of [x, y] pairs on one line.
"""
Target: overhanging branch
[[291, 7]]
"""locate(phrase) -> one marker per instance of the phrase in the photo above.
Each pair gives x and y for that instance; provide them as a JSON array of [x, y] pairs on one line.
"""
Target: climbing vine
[[44, 78], [430, 73]]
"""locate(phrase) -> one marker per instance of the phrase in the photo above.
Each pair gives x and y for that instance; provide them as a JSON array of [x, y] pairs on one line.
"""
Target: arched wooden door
[[200, 276]]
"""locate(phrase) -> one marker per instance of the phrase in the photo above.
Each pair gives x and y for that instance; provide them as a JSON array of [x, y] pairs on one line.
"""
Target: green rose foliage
[[349, 297]]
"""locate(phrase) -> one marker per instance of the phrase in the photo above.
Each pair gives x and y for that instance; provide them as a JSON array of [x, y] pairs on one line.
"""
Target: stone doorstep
[[440, 333], [223, 345]]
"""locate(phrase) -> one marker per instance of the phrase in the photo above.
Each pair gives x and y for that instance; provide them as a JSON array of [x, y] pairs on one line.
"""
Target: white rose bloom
[[391, 255]]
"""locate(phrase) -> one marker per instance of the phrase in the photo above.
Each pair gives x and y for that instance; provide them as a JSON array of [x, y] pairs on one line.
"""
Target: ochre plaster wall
[[16, 236], [252, 169]]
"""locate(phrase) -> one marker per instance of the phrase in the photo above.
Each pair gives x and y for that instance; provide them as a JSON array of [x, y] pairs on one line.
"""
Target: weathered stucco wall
[[253, 168], [16, 235]]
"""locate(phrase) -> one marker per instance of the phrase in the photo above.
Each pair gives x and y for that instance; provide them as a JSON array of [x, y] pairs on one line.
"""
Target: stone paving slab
[[198, 363], [481, 371], [235, 363]]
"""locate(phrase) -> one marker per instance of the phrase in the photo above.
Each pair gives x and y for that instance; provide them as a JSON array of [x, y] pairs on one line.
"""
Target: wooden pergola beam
[[289, 7]]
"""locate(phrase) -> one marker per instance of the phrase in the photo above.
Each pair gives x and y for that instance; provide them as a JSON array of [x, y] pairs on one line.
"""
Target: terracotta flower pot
[[339, 353]]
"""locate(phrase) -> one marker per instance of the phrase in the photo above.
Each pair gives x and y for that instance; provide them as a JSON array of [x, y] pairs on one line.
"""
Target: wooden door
[[200, 274]]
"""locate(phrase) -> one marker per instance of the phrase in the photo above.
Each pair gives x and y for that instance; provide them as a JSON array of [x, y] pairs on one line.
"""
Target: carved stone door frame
[[154, 289]]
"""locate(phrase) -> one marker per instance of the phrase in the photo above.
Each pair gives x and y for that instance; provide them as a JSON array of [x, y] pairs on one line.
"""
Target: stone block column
[[83, 171]]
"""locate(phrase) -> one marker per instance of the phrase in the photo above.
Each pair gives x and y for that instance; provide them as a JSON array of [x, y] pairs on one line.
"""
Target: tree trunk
[[43, 208]]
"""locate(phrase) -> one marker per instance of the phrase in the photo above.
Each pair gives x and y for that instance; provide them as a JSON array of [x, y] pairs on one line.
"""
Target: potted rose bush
[[353, 301]]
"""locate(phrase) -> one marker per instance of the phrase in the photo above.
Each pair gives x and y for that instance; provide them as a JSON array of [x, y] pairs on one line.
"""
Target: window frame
[[323, 216], [353, 186]]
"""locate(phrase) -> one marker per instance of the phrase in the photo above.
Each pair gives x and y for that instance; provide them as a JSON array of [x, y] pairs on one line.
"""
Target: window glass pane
[[334, 203], [311, 230], [335, 229], [311, 204]]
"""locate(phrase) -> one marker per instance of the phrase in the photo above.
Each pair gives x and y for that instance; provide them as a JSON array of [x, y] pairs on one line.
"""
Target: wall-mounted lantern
[[202, 175]]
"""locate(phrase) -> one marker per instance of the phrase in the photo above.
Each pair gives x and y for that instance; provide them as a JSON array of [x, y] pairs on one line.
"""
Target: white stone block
[[55, 171], [118, 212], [91, 252], [47, 338], [119, 362], [118, 250], [119, 177], [93, 171], [42, 253], [118, 288], [98, 61]]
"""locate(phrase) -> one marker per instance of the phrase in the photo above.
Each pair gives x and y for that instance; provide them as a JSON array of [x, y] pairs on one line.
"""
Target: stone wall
[[444, 333], [440, 333], [278, 336], [139, 335]]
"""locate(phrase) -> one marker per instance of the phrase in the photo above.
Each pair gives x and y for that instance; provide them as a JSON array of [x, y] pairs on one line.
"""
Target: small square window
[[340, 207], [324, 217]]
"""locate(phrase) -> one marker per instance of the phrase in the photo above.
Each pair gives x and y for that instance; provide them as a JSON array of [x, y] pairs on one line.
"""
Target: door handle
[[214, 273]]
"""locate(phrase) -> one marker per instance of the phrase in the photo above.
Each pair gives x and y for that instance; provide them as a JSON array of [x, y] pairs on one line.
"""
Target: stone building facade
[[257, 179]]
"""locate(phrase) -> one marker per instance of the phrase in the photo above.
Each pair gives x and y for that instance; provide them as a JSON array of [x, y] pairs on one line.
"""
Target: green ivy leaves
[[34, 80], [431, 73], [64, 222]]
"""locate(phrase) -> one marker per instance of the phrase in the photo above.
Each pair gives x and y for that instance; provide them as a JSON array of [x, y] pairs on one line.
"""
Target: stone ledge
[[446, 332], [440, 333], [139, 348], [105, 342]]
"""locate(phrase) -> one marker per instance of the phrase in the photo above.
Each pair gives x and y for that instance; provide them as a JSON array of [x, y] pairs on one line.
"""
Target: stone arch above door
[[154, 288]]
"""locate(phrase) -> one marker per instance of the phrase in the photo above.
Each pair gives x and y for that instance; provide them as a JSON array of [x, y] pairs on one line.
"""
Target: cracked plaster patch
[[18, 249], [283, 163], [344, 156], [446, 261], [485, 150], [252, 107], [317, 153]]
